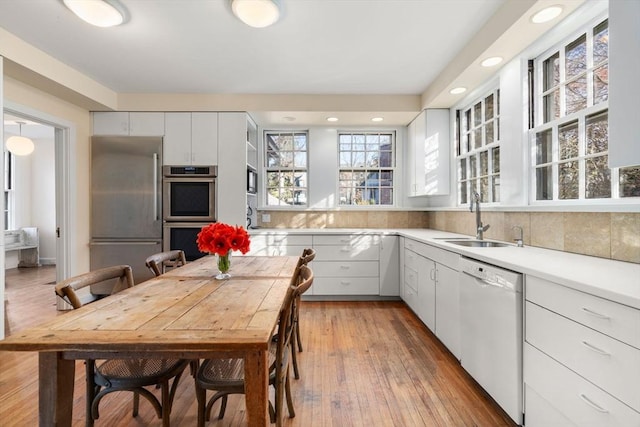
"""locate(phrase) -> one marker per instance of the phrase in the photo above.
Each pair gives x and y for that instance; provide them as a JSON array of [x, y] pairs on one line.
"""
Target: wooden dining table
[[184, 313]]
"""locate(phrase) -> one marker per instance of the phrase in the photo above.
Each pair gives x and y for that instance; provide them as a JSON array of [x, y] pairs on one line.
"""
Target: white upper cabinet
[[428, 153], [123, 123], [191, 139]]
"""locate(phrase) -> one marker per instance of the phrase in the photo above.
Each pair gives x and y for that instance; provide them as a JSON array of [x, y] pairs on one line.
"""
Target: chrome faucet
[[519, 240], [480, 229]]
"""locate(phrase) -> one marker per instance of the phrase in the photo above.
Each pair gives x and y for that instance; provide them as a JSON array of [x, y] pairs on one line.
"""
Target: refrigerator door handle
[[155, 187]]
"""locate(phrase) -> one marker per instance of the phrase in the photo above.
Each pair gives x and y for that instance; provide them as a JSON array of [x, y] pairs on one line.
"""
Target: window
[[478, 149], [366, 166], [286, 168], [570, 136], [8, 190]]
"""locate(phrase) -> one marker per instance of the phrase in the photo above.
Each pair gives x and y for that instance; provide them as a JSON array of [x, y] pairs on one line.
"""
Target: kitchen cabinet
[[581, 357], [233, 131], [191, 138], [346, 264], [389, 267], [123, 123], [431, 289], [428, 153]]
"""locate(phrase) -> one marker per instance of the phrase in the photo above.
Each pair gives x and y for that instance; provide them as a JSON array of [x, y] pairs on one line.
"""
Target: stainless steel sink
[[478, 243]]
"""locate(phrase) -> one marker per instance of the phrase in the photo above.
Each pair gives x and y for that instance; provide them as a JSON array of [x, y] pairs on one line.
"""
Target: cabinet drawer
[[411, 279], [411, 259], [608, 363], [441, 256], [346, 239], [265, 250], [346, 253], [610, 318], [581, 402], [540, 413], [346, 269], [281, 239], [346, 286]]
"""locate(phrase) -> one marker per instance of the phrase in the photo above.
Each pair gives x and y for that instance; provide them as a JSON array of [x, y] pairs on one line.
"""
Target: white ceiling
[[319, 47]]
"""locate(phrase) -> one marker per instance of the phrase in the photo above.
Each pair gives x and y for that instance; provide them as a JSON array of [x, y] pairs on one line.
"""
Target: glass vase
[[224, 264]]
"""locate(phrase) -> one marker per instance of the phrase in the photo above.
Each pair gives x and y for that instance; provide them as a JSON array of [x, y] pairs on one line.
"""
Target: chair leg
[[297, 328], [136, 404], [287, 385], [166, 404], [294, 360]]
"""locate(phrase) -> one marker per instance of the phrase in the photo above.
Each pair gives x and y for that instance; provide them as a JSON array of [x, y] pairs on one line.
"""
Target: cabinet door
[[419, 155], [448, 308], [434, 163], [427, 292], [177, 139], [111, 123], [146, 124], [204, 138], [389, 266], [410, 163]]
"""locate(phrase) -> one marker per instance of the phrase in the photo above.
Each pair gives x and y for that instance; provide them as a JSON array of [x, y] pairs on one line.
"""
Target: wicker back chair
[[111, 375], [158, 263], [307, 256], [226, 376]]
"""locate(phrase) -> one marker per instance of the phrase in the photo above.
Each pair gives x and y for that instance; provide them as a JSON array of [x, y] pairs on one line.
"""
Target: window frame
[[543, 123], [293, 169], [366, 169], [463, 137]]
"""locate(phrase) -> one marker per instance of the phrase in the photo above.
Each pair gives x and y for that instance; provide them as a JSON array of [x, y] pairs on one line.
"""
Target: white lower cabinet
[[431, 290], [279, 244], [346, 265], [581, 358]]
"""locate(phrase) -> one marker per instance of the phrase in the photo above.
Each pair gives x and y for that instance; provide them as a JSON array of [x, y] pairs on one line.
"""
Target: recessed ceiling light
[[490, 62], [332, 119], [377, 119], [546, 14], [457, 90], [101, 13]]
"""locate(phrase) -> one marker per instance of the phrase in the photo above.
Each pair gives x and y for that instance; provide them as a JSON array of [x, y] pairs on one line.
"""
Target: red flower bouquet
[[220, 239]]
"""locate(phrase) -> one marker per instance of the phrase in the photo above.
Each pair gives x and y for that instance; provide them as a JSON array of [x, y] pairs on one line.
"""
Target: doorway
[[58, 162]]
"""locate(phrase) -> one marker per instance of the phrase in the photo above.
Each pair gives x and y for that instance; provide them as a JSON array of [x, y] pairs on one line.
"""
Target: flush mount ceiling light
[[377, 119], [20, 145], [332, 119], [490, 62], [546, 14], [458, 90], [101, 13], [256, 13]]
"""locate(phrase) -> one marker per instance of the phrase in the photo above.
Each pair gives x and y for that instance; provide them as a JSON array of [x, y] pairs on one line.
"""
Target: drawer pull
[[595, 313], [596, 349], [345, 250], [345, 267], [594, 405], [344, 282]]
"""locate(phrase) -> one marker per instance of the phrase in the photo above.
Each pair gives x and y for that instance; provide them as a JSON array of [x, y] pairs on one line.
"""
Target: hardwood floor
[[364, 364]]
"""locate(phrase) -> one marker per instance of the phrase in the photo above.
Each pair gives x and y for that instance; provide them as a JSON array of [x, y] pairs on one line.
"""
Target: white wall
[[34, 192]]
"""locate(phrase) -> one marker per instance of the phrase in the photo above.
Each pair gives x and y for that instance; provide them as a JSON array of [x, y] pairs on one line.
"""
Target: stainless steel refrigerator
[[126, 203]]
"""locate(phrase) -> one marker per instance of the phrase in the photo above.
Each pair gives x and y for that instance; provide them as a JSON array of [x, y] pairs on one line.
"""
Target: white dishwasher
[[491, 331]]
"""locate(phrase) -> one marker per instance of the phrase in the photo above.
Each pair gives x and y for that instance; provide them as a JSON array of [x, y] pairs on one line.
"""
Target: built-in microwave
[[252, 180], [189, 193]]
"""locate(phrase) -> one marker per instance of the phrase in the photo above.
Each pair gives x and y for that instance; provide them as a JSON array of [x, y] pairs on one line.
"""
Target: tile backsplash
[[602, 234]]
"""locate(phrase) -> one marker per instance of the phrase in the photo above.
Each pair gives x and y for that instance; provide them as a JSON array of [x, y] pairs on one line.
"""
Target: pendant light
[[20, 145], [256, 13], [101, 13]]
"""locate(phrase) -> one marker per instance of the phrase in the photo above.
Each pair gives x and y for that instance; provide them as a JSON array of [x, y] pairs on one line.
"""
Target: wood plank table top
[[184, 313]]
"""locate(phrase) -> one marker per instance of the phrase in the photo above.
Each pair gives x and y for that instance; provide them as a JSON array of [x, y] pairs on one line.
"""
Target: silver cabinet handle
[[596, 349], [345, 267], [595, 313], [344, 282], [155, 187], [591, 403]]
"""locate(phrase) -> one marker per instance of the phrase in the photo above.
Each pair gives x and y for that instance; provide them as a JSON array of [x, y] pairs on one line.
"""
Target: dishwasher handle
[[495, 283]]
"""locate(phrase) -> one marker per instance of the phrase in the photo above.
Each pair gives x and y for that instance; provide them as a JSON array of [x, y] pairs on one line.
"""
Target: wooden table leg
[[256, 374], [56, 377]]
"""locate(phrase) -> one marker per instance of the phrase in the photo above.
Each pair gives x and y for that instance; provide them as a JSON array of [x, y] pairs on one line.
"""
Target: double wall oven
[[189, 203]]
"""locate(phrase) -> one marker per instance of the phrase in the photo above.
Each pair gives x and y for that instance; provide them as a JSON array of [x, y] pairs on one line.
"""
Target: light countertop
[[614, 280]]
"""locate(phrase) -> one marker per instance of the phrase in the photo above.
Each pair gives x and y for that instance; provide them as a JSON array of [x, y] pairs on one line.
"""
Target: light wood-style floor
[[364, 364]]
